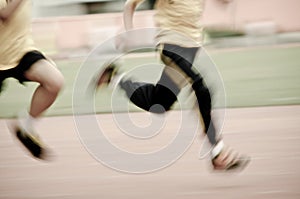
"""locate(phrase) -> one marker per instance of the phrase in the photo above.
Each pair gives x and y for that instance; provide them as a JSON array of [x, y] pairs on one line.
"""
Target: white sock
[[217, 149], [26, 122]]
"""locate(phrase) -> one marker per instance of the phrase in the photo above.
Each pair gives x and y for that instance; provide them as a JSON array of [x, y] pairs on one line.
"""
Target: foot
[[107, 75], [111, 76], [32, 143], [227, 159]]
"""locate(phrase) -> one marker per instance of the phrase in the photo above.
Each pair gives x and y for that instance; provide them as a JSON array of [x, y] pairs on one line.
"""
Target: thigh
[[173, 72], [179, 62], [34, 66], [43, 72]]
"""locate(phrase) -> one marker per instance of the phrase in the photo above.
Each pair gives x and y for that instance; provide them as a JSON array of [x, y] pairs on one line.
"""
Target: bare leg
[[51, 81]]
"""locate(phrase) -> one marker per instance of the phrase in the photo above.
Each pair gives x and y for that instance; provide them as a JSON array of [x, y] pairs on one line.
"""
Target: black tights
[[160, 97]]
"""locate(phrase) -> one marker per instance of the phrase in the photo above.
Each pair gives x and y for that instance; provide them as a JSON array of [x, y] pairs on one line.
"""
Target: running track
[[270, 135]]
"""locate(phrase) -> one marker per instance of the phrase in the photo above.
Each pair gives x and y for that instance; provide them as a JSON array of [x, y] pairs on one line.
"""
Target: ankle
[[26, 122], [217, 149]]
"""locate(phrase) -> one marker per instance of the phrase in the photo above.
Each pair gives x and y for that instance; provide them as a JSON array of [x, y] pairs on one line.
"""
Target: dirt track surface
[[270, 135]]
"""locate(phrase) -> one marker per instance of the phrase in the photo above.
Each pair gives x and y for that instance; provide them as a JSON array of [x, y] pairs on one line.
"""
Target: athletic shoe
[[32, 143], [107, 75], [225, 159], [111, 76]]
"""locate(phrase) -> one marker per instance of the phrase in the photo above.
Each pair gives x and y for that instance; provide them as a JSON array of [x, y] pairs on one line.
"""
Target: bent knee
[[45, 73], [55, 84]]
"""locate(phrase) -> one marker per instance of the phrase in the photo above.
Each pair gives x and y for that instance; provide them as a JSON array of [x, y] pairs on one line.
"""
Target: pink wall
[[63, 33], [239, 13]]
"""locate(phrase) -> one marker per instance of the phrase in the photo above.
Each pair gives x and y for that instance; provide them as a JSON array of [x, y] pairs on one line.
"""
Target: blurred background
[[255, 45]]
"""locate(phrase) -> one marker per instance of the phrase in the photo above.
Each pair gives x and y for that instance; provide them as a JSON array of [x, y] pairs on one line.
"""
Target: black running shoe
[[32, 143]]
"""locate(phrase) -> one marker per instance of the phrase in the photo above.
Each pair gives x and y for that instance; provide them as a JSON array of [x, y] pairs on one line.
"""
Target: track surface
[[270, 135]]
